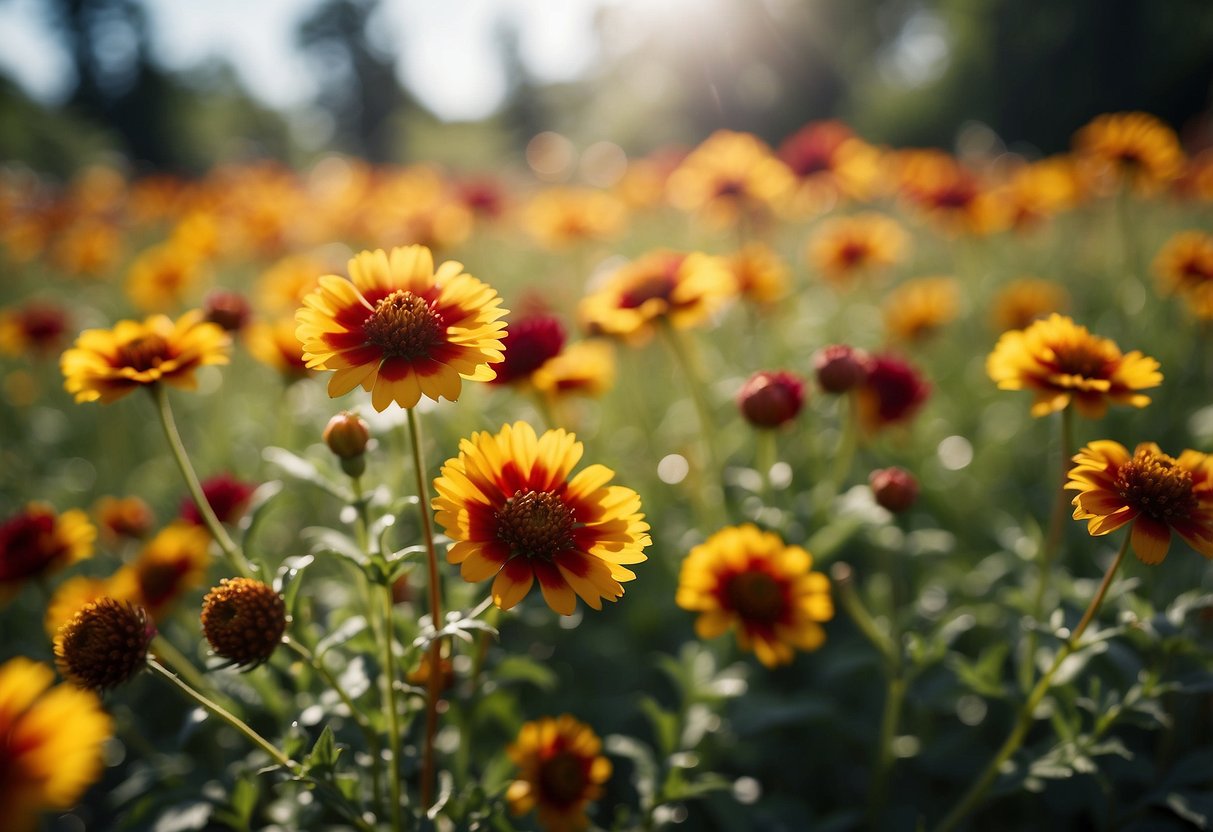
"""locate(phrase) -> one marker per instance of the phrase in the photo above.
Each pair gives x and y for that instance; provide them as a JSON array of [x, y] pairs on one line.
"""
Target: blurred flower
[[402, 330], [1060, 362], [483, 195], [88, 248], [52, 742], [531, 341], [762, 277], [243, 620], [104, 644], [1135, 148], [106, 364], [1196, 182], [37, 541], [729, 176], [171, 564], [420, 675], [829, 161], [1037, 191], [509, 505], [229, 310], [684, 289], [417, 205], [1157, 493], [843, 248], [282, 287], [559, 217], [73, 595], [1023, 301], [583, 368], [163, 277], [560, 770], [745, 578], [840, 368], [771, 399], [228, 498], [892, 392], [895, 489], [275, 345], [1184, 266], [120, 517], [918, 308], [35, 327], [949, 193], [198, 234]]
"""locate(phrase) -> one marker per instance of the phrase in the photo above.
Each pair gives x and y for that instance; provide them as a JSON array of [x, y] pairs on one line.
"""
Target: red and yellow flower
[[516, 516], [844, 248], [560, 771], [744, 578], [1157, 493], [1135, 148], [37, 541], [1184, 266], [918, 308], [729, 176], [400, 329]]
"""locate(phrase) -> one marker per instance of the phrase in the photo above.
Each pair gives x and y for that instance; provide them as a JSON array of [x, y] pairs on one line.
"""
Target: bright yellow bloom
[[762, 276], [106, 364], [169, 565], [163, 277], [508, 503], [845, 247], [37, 541], [1023, 301], [401, 329], [559, 217], [729, 176], [1184, 266], [684, 289], [560, 770], [50, 742], [917, 308], [1157, 493], [1136, 148], [582, 368], [1060, 362], [748, 579]]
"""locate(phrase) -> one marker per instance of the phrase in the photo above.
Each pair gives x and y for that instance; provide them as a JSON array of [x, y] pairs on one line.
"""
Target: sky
[[449, 60]]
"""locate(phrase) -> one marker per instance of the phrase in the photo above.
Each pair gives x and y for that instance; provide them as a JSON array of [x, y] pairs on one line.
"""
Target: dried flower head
[[243, 620], [104, 644]]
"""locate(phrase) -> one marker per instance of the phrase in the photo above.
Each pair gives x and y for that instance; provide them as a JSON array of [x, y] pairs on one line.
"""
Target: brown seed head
[[104, 644], [243, 620]]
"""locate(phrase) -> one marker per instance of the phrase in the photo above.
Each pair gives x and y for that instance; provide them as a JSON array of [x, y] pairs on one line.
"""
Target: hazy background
[[172, 84]]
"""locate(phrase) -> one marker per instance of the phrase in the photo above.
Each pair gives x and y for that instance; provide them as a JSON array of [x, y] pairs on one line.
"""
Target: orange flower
[[559, 217], [560, 770], [918, 308], [1157, 493], [1184, 266], [161, 278], [275, 345], [1135, 148], [729, 176], [1023, 301], [508, 503], [762, 276], [845, 247], [171, 564], [400, 329], [585, 367]]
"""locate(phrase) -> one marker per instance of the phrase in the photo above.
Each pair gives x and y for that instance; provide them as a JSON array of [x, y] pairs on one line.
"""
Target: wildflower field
[[821, 486]]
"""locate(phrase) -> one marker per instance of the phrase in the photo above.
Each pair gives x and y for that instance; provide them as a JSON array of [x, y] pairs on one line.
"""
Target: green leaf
[[258, 504], [1195, 809], [665, 725], [346, 631], [323, 756], [522, 669], [286, 582], [304, 470], [325, 541], [646, 772]]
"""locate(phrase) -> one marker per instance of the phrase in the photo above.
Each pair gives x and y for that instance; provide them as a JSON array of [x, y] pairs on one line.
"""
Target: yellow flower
[[37, 541], [749, 579], [284, 285], [171, 564], [917, 308], [1022, 301], [684, 289], [88, 248], [1184, 266], [829, 161], [582, 368], [51, 739], [1135, 148], [560, 770], [162, 277], [729, 176], [1060, 362], [72, 595], [275, 345], [107, 364], [1040, 190], [1157, 493], [761, 275], [508, 503], [400, 329], [845, 247], [559, 217], [949, 193]]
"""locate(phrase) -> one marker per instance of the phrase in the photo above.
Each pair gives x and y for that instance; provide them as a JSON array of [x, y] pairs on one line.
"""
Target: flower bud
[[840, 368], [347, 436], [230, 310], [771, 399], [895, 489]]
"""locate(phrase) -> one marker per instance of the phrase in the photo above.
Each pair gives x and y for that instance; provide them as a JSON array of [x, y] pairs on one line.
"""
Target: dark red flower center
[[1157, 486], [853, 253], [143, 353], [756, 596], [562, 779], [1080, 359], [27, 546], [405, 325], [159, 582], [536, 524]]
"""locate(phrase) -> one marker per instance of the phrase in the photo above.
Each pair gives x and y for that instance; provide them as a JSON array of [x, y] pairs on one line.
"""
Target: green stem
[[1027, 711], [227, 716], [894, 697], [848, 418], [844, 587], [1049, 550], [765, 456], [162, 649], [690, 370], [391, 707], [229, 547], [434, 678]]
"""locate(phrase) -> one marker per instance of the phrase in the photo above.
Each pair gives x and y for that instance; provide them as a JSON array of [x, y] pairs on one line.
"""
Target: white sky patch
[[29, 53]]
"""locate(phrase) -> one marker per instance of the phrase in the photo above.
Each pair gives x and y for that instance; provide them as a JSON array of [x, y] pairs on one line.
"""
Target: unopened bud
[[895, 489], [840, 368], [347, 436], [771, 399]]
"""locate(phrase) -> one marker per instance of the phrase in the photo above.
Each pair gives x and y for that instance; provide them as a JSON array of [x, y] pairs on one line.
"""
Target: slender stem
[[1024, 720], [434, 678], [691, 371], [894, 697], [1049, 549], [229, 547], [356, 713], [848, 418], [849, 599], [765, 456], [225, 715], [390, 705], [163, 650]]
